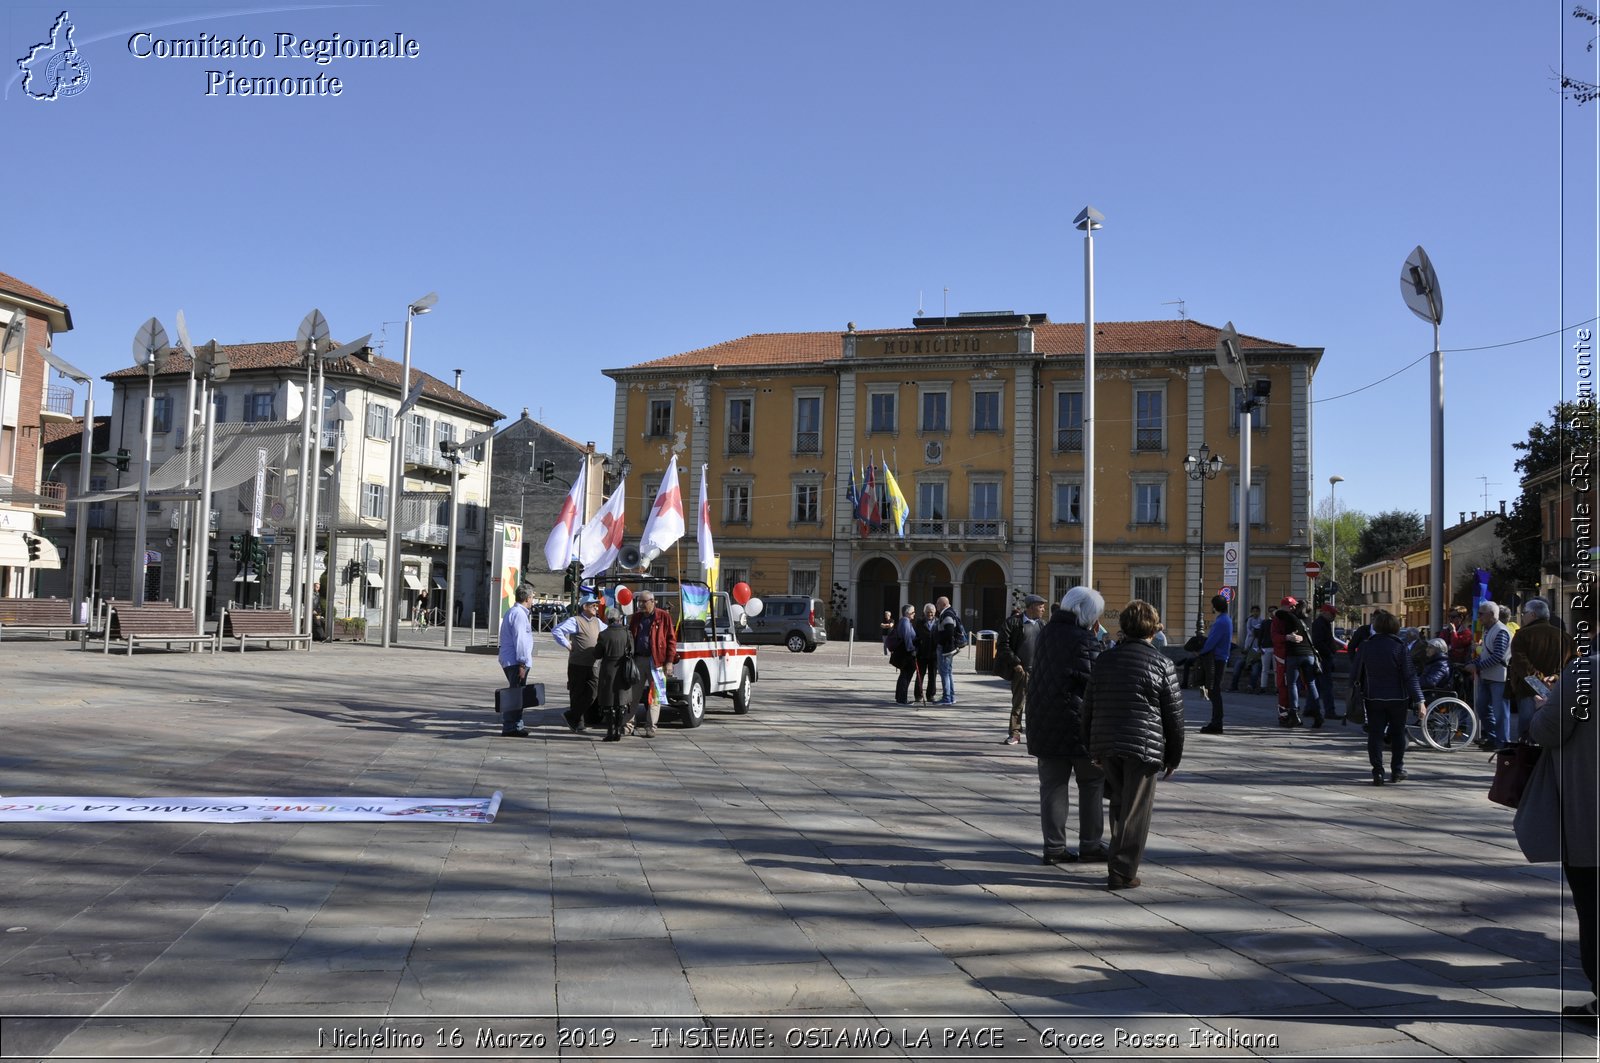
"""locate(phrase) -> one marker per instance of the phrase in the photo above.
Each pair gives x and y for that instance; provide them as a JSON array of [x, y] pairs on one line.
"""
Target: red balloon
[[741, 592], [624, 596]]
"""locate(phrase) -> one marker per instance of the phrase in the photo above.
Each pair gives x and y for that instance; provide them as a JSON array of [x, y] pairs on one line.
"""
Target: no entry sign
[[1313, 569]]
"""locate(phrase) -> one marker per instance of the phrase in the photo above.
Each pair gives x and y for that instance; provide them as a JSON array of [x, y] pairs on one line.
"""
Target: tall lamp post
[[1333, 531], [1419, 287], [1087, 221], [1201, 467], [149, 350], [391, 560]]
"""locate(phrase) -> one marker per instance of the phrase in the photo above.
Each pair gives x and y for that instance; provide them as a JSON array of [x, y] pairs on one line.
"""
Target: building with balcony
[[259, 408], [29, 403], [60, 455], [1469, 545], [990, 408], [1567, 539]]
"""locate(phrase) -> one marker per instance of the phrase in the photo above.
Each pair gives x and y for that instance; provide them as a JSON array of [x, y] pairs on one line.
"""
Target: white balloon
[[736, 612], [753, 607]]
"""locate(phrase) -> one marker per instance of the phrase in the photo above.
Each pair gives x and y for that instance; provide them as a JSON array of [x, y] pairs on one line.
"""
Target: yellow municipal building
[[981, 419]]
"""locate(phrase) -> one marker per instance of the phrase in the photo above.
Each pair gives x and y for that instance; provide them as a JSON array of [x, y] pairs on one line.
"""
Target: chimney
[[1502, 507], [1463, 517], [458, 380], [525, 416]]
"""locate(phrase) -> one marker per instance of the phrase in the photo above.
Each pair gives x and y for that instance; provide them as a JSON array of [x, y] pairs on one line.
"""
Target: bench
[[38, 614], [154, 623], [267, 625]]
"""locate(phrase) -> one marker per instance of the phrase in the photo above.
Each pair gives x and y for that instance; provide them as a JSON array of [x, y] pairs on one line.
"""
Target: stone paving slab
[[828, 855]]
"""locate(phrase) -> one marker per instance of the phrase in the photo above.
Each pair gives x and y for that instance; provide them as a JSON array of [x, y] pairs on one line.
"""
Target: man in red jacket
[[655, 641]]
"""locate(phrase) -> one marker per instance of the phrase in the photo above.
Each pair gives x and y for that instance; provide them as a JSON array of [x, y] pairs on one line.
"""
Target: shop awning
[[438, 581], [413, 583], [14, 550], [374, 580]]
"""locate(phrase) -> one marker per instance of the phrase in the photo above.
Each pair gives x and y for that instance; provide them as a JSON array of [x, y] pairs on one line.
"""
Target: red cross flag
[[559, 548], [601, 538], [665, 524]]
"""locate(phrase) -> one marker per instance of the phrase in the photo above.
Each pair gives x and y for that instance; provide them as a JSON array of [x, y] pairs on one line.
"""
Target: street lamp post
[[149, 350], [391, 561], [1419, 287], [1087, 221], [1333, 531], [1201, 467]]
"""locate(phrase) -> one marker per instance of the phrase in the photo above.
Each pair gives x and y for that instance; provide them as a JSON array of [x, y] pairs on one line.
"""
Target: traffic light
[[235, 547], [32, 542], [547, 470], [352, 571], [258, 552], [568, 582], [123, 457]]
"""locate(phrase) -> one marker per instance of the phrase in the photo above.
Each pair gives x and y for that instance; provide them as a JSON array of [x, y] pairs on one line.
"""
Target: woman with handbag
[[1389, 689], [1559, 810]]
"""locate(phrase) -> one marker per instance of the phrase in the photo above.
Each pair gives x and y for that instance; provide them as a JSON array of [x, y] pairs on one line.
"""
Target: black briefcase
[[532, 696]]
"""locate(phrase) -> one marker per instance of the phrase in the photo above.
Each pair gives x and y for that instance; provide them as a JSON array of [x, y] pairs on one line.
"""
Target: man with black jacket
[[1062, 659], [1133, 721], [1327, 645]]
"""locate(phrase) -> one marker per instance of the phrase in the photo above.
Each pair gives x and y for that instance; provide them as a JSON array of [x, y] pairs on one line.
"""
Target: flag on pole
[[853, 496], [601, 538], [559, 547], [869, 501], [665, 523], [899, 512], [708, 555]]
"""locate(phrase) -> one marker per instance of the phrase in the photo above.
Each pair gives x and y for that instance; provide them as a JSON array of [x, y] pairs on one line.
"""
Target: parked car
[[792, 620]]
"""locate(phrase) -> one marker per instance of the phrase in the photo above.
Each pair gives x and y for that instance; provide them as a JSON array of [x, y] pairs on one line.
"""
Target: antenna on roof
[[947, 302], [1487, 483], [919, 302], [1183, 311]]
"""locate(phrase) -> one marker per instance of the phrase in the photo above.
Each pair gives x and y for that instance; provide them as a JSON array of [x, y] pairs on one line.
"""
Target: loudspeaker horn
[[629, 557]]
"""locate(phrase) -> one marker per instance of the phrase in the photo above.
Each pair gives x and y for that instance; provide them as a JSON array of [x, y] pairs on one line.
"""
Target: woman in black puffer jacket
[[1133, 720], [1062, 658]]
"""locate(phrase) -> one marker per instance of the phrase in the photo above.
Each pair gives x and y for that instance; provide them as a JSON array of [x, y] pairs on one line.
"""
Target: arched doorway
[[930, 580], [983, 596], [877, 592]]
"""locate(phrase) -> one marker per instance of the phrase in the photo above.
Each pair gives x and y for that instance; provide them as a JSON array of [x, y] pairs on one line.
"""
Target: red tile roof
[[55, 431], [284, 354], [10, 285], [1050, 338]]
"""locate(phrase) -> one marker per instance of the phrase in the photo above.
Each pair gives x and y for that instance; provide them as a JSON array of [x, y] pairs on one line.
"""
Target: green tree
[[1550, 444], [1390, 531], [1351, 523]]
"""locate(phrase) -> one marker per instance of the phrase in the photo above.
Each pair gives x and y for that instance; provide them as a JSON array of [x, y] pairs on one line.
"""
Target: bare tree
[[1576, 89]]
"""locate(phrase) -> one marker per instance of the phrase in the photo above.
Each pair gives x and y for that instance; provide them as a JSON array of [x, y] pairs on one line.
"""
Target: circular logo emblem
[[68, 73], [933, 453]]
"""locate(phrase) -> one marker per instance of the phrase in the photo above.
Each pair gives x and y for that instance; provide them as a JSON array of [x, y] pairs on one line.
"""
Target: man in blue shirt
[[516, 657], [1219, 644]]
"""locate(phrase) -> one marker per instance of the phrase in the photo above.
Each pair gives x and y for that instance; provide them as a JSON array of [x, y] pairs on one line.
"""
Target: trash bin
[[985, 655]]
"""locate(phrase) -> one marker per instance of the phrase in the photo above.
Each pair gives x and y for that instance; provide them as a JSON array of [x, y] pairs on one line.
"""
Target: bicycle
[[1446, 722], [423, 619]]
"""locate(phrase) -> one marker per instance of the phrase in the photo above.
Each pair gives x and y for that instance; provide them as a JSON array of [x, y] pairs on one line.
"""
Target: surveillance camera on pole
[[1419, 287]]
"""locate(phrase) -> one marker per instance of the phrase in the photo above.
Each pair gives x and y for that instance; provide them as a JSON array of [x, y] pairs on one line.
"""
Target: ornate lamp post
[[1201, 466]]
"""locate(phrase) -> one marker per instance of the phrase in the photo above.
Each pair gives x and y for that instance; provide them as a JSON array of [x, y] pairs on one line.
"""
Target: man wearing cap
[[1327, 645], [579, 635], [1014, 657]]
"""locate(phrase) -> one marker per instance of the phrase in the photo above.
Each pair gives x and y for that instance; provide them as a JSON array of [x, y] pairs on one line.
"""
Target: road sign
[[1226, 594], [1313, 569], [1230, 575], [1230, 553]]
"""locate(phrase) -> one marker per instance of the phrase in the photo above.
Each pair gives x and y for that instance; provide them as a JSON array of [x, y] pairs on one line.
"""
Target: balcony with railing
[[1147, 439], [431, 534], [1558, 556], [426, 456], [808, 442], [738, 442], [331, 438], [57, 402], [988, 532], [53, 496], [1069, 439]]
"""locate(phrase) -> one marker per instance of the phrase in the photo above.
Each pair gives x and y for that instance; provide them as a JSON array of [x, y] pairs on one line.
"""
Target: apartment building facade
[[981, 419]]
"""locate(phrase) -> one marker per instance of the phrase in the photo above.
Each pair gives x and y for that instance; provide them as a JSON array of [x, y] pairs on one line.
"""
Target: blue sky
[[591, 185]]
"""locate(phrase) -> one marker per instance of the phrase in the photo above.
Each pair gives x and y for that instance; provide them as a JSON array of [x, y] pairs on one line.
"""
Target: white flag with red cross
[[559, 548], [601, 538], [665, 525]]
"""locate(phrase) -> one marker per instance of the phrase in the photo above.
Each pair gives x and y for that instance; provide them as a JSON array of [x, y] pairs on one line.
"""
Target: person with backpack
[[952, 637]]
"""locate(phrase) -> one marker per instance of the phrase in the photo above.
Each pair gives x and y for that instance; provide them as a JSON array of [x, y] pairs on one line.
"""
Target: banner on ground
[[223, 808]]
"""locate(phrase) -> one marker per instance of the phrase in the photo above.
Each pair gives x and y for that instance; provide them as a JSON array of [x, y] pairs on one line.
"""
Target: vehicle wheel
[[812, 648], [695, 711], [1449, 723], [741, 696], [796, 642]]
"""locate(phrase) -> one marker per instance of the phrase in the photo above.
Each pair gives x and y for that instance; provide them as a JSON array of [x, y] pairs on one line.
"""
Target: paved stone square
[[830, 876]]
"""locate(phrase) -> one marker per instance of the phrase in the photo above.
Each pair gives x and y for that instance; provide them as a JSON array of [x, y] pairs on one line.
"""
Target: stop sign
[[1313, 569]]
